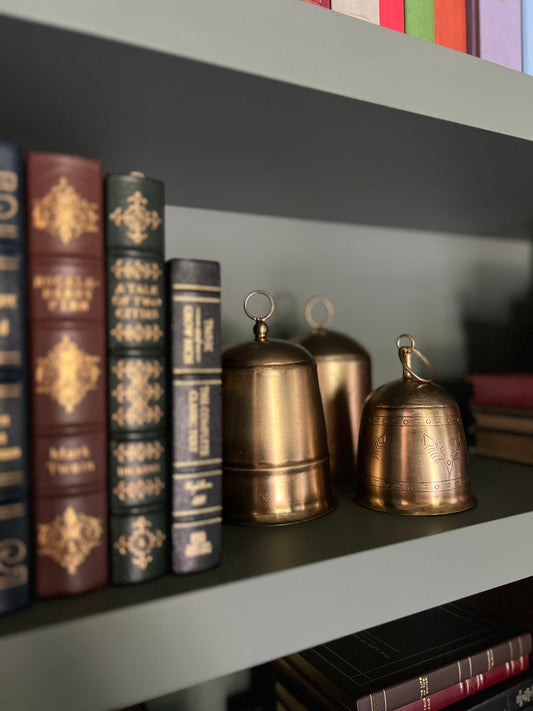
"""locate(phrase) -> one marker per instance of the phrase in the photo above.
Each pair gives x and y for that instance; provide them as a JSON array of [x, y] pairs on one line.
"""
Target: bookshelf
[[285, 110]]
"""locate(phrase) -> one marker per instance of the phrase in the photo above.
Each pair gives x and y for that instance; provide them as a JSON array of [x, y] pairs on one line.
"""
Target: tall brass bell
[[345, 380], [275, 456], [412, 447]]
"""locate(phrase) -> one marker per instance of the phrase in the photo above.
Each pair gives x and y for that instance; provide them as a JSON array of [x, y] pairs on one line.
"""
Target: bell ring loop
[[405, 357], [326, 303], [259, 318]]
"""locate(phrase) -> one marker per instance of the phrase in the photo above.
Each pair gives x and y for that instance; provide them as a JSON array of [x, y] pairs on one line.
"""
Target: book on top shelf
[[195, 432], [322, 3], [397, 663], [391, 14], [134, 207], [527, 37], [14, 505], [67, 345], [367, 10], [420, 19], [494, 31], [450, 24], [510, 390]]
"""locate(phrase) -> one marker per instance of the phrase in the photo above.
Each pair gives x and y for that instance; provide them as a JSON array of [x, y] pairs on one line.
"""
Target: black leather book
[[196, 416], [15, 532], [136, 377]]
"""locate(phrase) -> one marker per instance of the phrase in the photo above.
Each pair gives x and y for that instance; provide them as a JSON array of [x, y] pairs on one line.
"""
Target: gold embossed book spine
[[134, 206], [68, 353], [196, 419]]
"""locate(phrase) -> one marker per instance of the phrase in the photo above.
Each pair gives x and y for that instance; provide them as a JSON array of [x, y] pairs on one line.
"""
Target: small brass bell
[[412, 447], [345, 381], [275, 456]]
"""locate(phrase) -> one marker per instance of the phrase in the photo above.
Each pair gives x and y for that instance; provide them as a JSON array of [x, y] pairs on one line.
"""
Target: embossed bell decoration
[[412, 447], [344, 378], [275, 456]]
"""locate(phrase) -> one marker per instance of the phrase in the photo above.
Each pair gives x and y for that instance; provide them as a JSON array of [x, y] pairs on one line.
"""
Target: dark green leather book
[[136, 377]]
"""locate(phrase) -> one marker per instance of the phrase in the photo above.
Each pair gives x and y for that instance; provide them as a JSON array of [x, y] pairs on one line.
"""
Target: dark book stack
[[68, 385], [196, 419], [136, 374], [422, 662], [14, 509]]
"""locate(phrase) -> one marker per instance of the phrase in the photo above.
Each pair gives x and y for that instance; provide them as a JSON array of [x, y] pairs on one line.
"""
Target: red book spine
[[391, 14], [445, 697], [322, 3], [450, 24], [67, 345], [502, 389]]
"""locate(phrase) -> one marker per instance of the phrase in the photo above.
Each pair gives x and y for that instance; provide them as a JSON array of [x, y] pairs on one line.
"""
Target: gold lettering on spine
[[133, 300], [69, 538], [141, 543], [9, 204], [136, 218], [67, 461], [66, 293], [67, 374], [13, 568]]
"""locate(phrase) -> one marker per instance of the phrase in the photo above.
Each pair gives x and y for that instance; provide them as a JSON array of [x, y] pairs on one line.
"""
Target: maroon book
[[67, 347]]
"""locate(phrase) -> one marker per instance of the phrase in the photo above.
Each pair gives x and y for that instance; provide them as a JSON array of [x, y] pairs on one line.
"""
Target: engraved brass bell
[[345, 380], [412, 448], [275, 456]]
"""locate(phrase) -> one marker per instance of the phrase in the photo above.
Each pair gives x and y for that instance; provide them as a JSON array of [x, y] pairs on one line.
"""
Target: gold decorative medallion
[[64, 213], [69, 538], [136, 218], [138, 271], [141, 543], [138, 451], [138, 490], [67, 374], [135, 392]]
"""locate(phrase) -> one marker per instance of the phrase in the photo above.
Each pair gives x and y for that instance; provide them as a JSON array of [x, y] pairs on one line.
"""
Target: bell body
[[344, 379], [275, 456], [413, 452]]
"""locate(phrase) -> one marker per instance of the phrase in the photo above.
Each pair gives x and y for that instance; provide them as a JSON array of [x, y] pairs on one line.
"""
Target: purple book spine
[[500, 32]]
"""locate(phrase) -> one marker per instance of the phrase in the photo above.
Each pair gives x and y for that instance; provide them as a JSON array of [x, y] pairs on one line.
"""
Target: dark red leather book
[[67, 348], [134, 207], [511, 390]]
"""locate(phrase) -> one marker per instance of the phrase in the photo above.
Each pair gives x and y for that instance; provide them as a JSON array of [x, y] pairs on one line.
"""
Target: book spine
[[472, 27], [527, 37], [367, 10], [14, 510], [500, 33], [196, 419], [514, 695], [67, 349], [391, 14], [447, 675], [134, 229], [322, 3], [420, 19], [456, 692], [450, 24]]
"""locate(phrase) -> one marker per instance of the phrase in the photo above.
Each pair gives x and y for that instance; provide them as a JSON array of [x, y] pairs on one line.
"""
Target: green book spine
[[420, 19], [137, 374]]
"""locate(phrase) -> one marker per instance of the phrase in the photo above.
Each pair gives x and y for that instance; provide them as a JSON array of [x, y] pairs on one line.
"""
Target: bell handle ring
[[405, 353], [308, 312], [260, 328]]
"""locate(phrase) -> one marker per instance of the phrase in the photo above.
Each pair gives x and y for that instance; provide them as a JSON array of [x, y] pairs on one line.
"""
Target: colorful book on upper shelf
[[527, 37], [450, 24], [195, 363], [68, 390], [510, 390], [14, 504], [391, 14], [420, 19], [398, 663], [134, 206], [494, 31], [322, 3], [367, 10], [514, 694]]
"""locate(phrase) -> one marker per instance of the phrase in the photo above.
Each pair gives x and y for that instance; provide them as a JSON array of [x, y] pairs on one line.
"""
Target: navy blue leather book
[[14, 511]]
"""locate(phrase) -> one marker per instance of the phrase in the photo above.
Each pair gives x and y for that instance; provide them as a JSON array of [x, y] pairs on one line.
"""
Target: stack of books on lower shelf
[[450, 655], [502, 408]]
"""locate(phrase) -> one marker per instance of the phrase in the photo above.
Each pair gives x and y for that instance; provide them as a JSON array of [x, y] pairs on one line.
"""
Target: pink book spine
[[445, 697], [322, 3], [391, 14]]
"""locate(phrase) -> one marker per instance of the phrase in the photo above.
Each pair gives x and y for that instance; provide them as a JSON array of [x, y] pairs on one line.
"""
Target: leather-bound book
[[134, 208], [14, 511], [68, 356], [196, 415]]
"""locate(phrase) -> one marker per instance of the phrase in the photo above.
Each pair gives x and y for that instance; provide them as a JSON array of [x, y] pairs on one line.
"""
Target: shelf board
[[277, 590], [275, 108]]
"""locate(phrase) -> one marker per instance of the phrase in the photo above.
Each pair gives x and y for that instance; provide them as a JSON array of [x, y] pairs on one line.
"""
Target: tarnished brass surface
[[413, 456], [275, 456], [344, 376]]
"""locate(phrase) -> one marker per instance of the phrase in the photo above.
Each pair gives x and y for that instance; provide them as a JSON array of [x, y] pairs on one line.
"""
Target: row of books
[[95, 430], [448, 656], [499, 31]]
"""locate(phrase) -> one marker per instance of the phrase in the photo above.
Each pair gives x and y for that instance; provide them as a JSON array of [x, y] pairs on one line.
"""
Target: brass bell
[[412, 447], [275, 456], [344, 379]]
